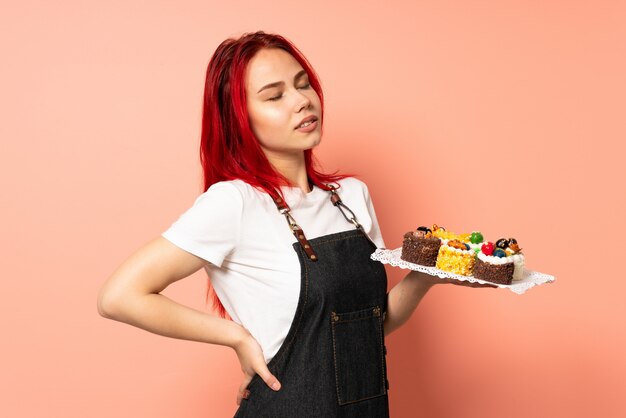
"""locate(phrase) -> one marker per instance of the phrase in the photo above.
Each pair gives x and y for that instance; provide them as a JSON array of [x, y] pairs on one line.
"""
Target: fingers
[[466, 283], [243, 389], [269, 379], [480, 285], [253, 363], [476, 284]]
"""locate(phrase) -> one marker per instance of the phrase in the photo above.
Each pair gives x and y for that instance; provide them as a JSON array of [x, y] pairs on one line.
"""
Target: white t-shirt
[[252, 264]]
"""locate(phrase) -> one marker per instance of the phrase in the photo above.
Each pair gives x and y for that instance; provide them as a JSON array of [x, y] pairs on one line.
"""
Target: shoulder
[[245, 190], [220, 197], [210, 229], [224, 187], [233, 191], [351, 186], [235, 195], [352, 183]]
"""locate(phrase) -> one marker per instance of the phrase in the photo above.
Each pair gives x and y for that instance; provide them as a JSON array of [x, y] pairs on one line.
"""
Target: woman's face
[[278, 98]]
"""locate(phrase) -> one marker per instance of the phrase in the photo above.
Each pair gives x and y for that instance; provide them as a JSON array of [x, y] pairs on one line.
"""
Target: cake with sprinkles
[[501, 263], [420, 247]]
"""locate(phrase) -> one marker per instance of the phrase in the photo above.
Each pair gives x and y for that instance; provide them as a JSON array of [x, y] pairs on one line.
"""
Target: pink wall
[[505, 116]]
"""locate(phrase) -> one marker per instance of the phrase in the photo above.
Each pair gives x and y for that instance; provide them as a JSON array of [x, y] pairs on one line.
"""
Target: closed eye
[[304, 86]]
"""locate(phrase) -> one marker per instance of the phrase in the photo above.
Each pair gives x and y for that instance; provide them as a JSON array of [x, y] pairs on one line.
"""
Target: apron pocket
[[358, 354]]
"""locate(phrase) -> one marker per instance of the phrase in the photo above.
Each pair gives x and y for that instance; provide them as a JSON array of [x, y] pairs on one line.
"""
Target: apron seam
[[304, 304], [339, 239]]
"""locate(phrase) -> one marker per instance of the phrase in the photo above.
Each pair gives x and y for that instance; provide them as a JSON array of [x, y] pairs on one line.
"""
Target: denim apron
[[333, 360]]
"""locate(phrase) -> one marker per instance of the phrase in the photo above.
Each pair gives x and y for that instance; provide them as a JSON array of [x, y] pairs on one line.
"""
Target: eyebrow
[[279, 83]]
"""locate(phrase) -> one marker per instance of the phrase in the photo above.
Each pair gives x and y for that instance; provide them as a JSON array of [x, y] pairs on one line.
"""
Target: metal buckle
[[352, 219], [290, 220]]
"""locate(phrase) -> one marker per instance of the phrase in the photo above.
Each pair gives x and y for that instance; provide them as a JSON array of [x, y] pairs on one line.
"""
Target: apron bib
[[333, 360]]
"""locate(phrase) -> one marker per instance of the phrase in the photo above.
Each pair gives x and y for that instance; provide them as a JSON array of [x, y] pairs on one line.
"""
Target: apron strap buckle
[[283, 208]]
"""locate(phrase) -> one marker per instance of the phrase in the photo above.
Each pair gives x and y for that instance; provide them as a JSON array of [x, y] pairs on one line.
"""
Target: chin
[[315, 143]]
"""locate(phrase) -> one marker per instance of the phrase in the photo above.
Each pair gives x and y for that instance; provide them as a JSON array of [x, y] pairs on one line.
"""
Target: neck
[[293, 167]]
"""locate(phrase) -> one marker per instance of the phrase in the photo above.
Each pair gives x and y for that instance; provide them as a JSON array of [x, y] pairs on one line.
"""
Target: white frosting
[[458, 250], [493, 259], [516, 259]]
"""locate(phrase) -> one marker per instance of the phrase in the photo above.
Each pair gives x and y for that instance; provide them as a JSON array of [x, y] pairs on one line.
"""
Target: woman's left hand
[[432, 280], [465, 283], [406, 295]]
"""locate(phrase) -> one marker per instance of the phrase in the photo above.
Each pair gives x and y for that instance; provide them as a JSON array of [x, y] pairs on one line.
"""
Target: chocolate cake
[[420, 247], [495, 273]]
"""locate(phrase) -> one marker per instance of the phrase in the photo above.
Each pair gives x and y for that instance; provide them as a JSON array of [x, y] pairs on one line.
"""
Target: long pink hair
[[229, 149]]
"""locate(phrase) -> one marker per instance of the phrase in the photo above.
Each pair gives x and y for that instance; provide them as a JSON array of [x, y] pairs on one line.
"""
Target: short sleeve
[[375, 234], [210, 228]]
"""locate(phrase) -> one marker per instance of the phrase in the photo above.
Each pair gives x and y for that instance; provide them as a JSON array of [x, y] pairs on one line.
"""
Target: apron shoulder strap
[[284, 209], [336, 200]]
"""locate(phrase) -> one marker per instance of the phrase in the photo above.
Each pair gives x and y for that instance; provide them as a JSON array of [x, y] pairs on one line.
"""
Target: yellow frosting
[[455, 261], [443, 234]]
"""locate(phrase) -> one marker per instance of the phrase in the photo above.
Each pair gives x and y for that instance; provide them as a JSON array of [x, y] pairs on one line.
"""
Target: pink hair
[[228, 148]]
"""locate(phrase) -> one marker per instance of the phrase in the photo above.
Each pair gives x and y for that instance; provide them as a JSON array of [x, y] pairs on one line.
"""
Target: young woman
[[287, 249]]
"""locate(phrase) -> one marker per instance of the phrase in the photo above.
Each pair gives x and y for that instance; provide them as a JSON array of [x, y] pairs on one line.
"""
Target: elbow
[[107, 304]]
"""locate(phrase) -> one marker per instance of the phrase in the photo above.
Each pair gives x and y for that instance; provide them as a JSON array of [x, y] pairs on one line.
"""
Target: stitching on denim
[[297, 329], [382, 354], [364, 399], [343, 321], [382, 358], [282, 350], [368, 311], [338, 239], [332, 325]]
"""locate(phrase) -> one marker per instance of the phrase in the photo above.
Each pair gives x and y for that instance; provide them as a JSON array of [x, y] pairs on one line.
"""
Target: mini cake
[[515, 252], [500, 263], [420, 247], [456, 257]]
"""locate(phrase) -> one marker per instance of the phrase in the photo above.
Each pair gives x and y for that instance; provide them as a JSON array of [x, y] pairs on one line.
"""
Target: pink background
[[502, 116]]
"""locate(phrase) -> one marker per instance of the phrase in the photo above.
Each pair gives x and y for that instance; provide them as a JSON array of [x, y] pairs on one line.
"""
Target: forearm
[[161, 315], [404, 298]]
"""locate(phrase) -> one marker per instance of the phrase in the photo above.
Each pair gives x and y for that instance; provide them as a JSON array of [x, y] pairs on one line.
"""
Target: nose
[[303, 102]]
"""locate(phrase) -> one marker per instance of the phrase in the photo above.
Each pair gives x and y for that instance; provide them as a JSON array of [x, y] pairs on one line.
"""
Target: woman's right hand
[[132, 295], [252, 362]]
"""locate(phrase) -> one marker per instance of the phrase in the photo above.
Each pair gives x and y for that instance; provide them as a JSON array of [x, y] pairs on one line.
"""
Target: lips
[[311, 118]]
